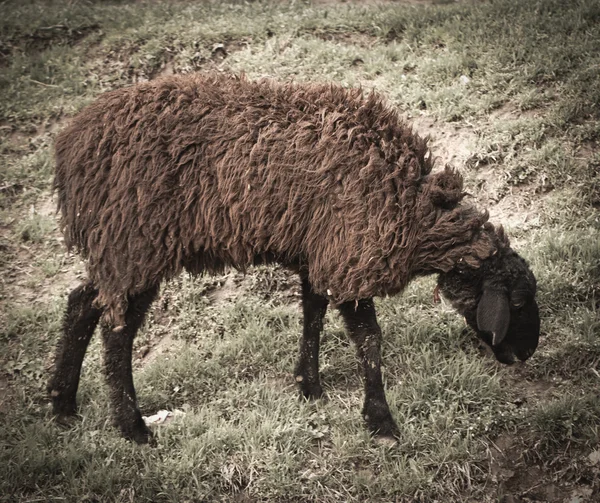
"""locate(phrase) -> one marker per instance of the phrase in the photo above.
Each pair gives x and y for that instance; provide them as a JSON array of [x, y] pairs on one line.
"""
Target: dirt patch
[[52, 126], [274, 284], [11, 189], [519, 471], [380, 2], [35, 273], [43, 38], [204, 56], [509, 111], [449, 143], [515, 206], [519, 480], [360, 39], [130, 63], [5, 395], [226, 291], [152, 349]]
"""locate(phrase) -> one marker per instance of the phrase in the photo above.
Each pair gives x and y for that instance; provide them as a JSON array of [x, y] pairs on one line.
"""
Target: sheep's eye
[[518, 304]]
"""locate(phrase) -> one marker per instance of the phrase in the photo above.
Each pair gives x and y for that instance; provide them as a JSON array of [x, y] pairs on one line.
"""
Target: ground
[[509, 93]]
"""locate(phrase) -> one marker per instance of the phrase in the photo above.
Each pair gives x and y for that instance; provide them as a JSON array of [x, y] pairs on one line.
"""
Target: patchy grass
[[508, 89]]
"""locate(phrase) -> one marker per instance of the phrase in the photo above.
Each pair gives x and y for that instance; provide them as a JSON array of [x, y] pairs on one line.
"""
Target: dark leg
[[361, 323], [117, 365], [307, 369], [79, 324]]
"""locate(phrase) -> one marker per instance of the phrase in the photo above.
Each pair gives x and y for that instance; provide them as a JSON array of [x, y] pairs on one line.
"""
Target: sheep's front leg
[[314, 307], [79, 324], [118, 345], [361, 323]]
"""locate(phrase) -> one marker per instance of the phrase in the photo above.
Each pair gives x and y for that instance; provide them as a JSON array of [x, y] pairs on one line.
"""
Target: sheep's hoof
[[61, 407], [65, 420], [387, 434], [309, 391], [385, 431]]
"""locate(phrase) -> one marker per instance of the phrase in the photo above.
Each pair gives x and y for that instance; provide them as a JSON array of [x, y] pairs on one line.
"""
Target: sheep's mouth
[[504, 355], [505, 352], [509, 355], [517, 345], [524, 354]]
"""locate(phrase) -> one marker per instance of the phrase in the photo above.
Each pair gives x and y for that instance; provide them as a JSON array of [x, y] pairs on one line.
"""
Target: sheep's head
[[497, 300]]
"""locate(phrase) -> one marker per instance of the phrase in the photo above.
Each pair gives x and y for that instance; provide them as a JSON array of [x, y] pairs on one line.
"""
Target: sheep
[[205, 172]]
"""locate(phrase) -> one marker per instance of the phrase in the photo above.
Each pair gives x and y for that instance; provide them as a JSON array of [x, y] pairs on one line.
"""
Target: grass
[[513, 84]]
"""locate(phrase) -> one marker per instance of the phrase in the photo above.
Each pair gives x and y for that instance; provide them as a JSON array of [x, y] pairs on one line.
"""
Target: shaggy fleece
[[206, 171]]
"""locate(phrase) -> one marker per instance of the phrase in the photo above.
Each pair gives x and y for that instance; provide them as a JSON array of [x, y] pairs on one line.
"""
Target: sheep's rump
[[203, 172]]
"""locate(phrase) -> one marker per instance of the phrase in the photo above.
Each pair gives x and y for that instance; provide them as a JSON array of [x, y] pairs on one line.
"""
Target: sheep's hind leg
[[79, 323], [361, 323], [118, 345], [314, 307]]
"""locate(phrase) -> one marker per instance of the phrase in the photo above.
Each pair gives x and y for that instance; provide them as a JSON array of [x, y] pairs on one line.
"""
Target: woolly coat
[[202, 172]]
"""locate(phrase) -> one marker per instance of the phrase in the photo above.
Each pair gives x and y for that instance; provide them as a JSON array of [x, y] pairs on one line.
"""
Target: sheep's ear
[[493, 314]]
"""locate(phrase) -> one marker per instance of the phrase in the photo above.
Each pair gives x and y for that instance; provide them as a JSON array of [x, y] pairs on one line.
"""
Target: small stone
[[299, 378], [594, 457], [464, 80], [218, 51]]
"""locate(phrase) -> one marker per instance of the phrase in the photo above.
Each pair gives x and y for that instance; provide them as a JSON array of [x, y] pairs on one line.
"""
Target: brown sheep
[[206, 172]]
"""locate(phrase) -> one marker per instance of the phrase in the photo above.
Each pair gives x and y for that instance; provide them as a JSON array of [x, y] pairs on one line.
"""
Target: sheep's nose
[[526, 354]]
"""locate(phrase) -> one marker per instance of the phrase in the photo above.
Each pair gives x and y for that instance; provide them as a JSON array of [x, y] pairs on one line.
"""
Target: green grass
[[520, 80]]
